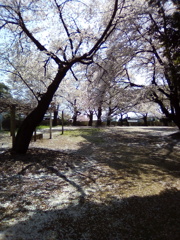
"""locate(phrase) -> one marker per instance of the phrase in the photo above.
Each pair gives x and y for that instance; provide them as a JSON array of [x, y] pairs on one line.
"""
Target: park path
[[107, 186], [6, 140]]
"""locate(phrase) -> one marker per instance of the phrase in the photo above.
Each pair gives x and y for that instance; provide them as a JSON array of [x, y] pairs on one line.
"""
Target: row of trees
[[99, 48], [79, 105], [104, 104]]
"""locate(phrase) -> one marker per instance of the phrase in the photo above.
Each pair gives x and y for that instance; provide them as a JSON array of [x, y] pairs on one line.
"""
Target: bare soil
[[111, 183]]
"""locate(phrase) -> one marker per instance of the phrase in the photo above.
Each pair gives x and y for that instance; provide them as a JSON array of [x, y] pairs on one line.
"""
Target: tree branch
[[73, 74], [129, 81], [36, 42], [108, 30], [20, 76], [65, 27]]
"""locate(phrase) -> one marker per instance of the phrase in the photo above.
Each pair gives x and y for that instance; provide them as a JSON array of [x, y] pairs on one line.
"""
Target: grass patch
[[91, 135], [4, 132], [84, 132], [42, 127]]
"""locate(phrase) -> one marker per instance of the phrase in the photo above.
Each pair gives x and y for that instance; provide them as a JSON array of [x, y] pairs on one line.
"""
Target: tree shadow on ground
[[41, 172], [40, 161], [133, 151], [154, 217], [155, 129]]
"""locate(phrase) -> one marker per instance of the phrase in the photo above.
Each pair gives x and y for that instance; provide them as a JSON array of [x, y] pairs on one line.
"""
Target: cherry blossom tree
[[155, 37], [66, 38], [147, 109]]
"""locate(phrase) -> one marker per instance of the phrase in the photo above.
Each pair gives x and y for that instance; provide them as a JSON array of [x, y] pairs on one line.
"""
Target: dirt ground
[[113, 183]]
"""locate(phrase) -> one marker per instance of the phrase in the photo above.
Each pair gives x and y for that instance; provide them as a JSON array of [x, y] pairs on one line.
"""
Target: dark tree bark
[[121, 120], [109, 117], [74, 123], [145, 120], [75, 115], [90, 115], [109, 121], [28, 126], [99, 114], [55, 118], [56, 111], [173, 115]]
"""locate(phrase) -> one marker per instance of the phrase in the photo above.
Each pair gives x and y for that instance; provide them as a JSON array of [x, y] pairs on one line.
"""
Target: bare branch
[[36, 42], [108, 30], [17, 73], [65, 27], [129, 80], [74, 74]]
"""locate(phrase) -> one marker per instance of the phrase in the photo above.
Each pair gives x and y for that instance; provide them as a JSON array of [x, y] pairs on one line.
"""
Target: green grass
[[42, 127], [84, 132], [4, 132], [91, 135]]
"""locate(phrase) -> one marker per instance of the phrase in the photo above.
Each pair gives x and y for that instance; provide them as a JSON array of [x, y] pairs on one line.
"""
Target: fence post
[[62, 122], [13, 124], [50, 129]]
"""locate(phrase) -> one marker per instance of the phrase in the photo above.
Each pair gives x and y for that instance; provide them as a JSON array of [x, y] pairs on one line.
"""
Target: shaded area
[[39, 161], [151, 217], [133, 151], [106, 189]]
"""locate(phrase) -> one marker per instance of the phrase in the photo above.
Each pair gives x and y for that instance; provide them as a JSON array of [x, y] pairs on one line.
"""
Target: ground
[[113, 183]]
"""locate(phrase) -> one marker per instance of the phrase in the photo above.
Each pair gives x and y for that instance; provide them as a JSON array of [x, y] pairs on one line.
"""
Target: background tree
[[156, 32], [85, 100], [3, 90], [147, 109], [167, 31]]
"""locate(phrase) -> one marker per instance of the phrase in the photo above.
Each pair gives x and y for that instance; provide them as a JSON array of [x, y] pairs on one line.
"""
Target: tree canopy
[[62, 34]]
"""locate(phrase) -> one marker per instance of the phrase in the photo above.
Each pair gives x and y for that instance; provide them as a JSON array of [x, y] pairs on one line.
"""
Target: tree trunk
[[99, 121], [109, 117], [75, 114], [145, 120], [28, 126], [176, 120], [175, 114], [121, 120], [90, 115], [55, 118], [74, 118], [108, 121], [74, 123]]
